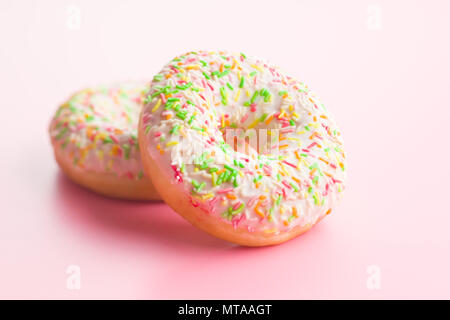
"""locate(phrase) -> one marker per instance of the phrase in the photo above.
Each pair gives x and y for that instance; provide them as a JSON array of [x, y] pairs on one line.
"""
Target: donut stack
[[231, 143]]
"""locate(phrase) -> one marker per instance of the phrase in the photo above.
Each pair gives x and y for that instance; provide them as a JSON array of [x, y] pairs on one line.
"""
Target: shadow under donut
[[146, 221]]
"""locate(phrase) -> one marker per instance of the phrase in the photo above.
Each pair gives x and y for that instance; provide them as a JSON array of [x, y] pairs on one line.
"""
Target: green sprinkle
[[126, 148], [107, 140], [241, 83], [243, 55], [282, 93], [278, 200], [315, 199], [238, 210], [255, 95], [263, 117], [229, 168], [212, 170], [292, 122], [158, 77], [230, 86], [195, 184], [203, 63], [253, 73], [255, 180], [62, 133], [294, 186], [206, 76], [140, 175], [200, 187], [315, 180], [175, 129], [181, 115]]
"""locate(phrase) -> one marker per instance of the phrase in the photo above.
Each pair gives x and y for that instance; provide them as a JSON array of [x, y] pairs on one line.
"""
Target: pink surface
[[386, 82]]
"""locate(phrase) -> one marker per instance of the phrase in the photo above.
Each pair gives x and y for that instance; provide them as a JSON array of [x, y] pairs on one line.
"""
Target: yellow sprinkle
[[257, 67], [295, 114], [192, 67], [171, 143], [247, 93], [182, 132], [238, 93], [156, 107], [253, 124], [291, 107], [207, 196]]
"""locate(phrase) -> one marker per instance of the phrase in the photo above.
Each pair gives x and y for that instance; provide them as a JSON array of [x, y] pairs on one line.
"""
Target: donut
[[262, 195], [94, 137]]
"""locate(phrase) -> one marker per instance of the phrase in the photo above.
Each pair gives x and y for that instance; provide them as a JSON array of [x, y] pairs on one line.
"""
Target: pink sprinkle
[[200, 108], [236, 220], [201, 96], [210, 86], [194, 203], [311, 145], [158, 134], [146, 117], [225, 190], [265, 203], [253, 107], [327, 187], [333, 165], [267, 169], [213, 201], [113, 138], [177, 174], [287, 130], [237, 205], [244, 118], [129, 174], [287, 185], [289, 164], [252, 201], [163, 98]]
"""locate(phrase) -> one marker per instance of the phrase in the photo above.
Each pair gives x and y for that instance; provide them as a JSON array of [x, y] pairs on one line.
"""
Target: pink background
[[388, 89]]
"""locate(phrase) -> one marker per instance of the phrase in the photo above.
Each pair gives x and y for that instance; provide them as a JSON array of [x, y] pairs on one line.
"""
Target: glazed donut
[[265, 196], [94, 137]]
